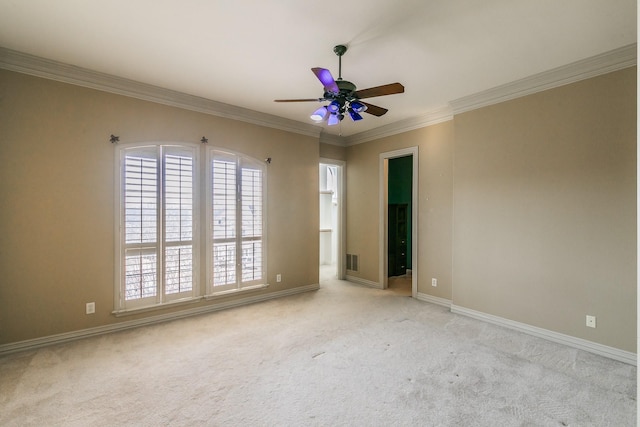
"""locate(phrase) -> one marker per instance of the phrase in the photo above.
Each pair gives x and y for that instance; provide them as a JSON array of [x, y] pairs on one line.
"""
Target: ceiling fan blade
[[374, 109], [389, 89], [298, 100], [326, 79]]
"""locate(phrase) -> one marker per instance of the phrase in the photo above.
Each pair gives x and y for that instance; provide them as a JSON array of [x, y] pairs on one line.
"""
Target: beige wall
[[57, 198], [335, 152], [435, 155], [545, 209], [541, 221], [543, 231]]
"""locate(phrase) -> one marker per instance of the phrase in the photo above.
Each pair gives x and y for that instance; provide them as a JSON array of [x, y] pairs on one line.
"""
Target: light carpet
[[343, 355]]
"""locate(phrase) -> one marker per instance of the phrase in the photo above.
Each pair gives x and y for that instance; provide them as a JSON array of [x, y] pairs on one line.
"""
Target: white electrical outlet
[[278, 278], [434, 282], [591, 321], [91, 308]]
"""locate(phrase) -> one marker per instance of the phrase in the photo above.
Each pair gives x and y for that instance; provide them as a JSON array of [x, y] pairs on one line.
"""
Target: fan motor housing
[[347, 90], [345, 86]]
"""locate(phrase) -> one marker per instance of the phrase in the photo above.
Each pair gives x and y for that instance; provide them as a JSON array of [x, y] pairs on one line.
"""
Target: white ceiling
[[248, 52]]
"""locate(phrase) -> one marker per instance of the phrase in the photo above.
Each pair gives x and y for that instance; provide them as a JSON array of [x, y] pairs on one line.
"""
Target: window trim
[[224, 290], [162, 299]]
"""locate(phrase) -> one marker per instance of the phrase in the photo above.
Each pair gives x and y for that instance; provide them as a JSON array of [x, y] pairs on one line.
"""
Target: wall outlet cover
[[91, 307]]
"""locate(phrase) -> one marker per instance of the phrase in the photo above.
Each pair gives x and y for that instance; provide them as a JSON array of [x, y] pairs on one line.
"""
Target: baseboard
[[101, 330], [434, 300], [363, 282], [579, 343]]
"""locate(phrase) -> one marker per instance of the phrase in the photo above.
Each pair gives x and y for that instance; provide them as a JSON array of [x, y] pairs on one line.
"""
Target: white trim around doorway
[[342, 242], [383, 215]]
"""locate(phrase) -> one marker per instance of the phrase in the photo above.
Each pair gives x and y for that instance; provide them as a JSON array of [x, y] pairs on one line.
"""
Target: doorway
[[331, 252], [398, 212], [400, 171]]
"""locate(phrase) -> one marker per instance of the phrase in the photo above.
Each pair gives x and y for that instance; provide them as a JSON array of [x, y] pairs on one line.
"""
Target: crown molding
[[40, 67], [433, 117], [607, 62], [327, 138]]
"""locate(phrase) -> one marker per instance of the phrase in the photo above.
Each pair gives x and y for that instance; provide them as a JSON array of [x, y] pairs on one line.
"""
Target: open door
[[411, 220], [331, 219]]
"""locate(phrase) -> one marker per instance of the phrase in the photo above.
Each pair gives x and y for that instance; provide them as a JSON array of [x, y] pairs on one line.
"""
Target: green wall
[[400, 180]]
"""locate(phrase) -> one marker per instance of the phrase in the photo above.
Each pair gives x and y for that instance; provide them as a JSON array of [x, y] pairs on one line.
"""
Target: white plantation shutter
[[141, 224], [178, 222], [251, 199], [158, 225], [157, 238], [237, 251], [224, 221]]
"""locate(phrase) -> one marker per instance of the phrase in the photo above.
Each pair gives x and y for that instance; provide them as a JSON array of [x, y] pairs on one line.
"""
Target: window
[[157, 233], [159, 224], [237, 246]]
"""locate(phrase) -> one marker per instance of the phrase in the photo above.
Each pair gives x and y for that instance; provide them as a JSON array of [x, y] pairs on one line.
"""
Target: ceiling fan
[[343, 97]]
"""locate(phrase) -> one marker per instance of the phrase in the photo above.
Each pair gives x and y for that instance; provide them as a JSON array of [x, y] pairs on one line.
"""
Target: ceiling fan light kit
[[343, 96]]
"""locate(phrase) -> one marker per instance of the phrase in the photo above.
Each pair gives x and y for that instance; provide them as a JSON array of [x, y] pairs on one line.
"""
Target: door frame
[[342, 242], [384, 215]]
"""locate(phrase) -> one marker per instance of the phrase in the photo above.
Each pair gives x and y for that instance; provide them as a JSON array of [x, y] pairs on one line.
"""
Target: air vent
[[352, 262]]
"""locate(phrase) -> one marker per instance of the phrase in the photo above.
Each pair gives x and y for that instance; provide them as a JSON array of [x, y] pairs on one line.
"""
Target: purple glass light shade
[[334, 107], [354, 115], [358, 107], [319, 115]]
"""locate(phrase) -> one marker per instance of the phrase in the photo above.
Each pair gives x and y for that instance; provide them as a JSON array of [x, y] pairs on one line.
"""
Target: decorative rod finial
[[114, 139], [268, 160], [204, 140]]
